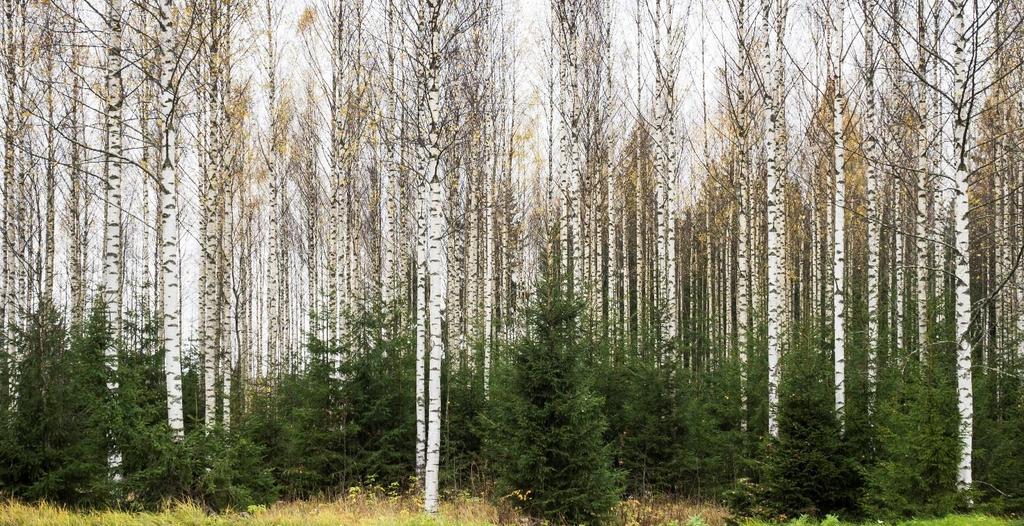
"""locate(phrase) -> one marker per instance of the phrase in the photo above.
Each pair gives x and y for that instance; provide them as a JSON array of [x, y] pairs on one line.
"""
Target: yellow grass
[[633, 512], [377, 510], [358, 510]]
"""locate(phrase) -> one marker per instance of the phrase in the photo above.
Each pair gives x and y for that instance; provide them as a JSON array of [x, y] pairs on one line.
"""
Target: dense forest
[[549, 252]]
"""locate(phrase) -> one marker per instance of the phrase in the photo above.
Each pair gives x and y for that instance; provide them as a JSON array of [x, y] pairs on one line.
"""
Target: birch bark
[[921, 184], [743, 209], [774, 247], [436, 267], [961, 134], [169, 223], [7, 317], [871, 159], [112, 230], [839, 212]]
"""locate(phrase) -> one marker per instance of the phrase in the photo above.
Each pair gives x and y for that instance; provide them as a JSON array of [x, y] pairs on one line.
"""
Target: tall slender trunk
[[872, 223], [421, 273], [421, 256], [672, 205], [436, 269], [389, 176], [23, 234], [963, 96], [489, 277], [212, 221], [781, 146], [658, 146], [922, 184], [774, 189], [1017, 217], [937, 182], [51, 180], [899, 284], [839, 212], [337, 179], [274, 305], [226, 218], [77, 232], [112, 231], [421, 325], [8, 300], [168, 223], [743, 213], [226, 361]]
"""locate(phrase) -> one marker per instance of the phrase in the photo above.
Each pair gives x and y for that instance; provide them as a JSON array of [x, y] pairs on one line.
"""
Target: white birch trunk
[[212, 236], [334, 265], [921, 186], [899, 281], [488, 228], [672, 205], [273, 301], [169, 225], [389, 230], [660, 147], [436, 268], [421, 315], [51, 184], [225, 234], [1019, 214], [961, 135], [112, 230], [743, 209], [774, 248], [937, 182], [77, 235], [7, 317], [871, 158], [839, 213]]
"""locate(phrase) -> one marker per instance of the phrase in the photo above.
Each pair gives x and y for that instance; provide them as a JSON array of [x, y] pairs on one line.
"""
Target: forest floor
[[403, 511]]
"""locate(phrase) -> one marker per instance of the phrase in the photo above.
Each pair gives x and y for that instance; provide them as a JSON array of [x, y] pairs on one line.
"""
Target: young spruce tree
[[547, 445]]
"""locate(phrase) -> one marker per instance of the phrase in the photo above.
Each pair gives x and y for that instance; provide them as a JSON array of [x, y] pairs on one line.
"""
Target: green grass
[[953, 520]]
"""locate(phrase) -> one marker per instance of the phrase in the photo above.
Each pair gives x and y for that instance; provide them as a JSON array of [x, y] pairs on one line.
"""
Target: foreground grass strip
[[953, 520], [964, 520], [354, 510], [405, 511], [368, 512]]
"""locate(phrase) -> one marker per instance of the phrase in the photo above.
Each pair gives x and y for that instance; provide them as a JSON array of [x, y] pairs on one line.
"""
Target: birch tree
[[963, 98], [666, 56], [743, 244], [112, 230], [169, 222], [839, 209], [774, 190], [872, 222], [430, 71], [275, 149], [7, 317], [922, 182], [78, 199], [390, 177]]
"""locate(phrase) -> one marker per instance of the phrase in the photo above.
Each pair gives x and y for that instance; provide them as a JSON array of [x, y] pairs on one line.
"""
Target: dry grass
[[375, 510], [633, 512], [355, 510]]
